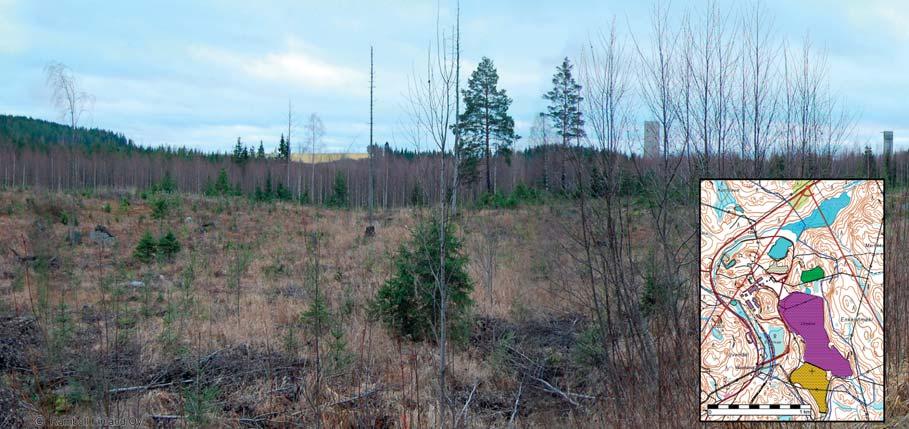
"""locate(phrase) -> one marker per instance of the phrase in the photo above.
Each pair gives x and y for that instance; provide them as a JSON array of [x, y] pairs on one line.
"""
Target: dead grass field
[[118, 321], [177, 346]]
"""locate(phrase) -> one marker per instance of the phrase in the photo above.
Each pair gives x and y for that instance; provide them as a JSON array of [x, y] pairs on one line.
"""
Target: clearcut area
[[804, 315], [814, 380]]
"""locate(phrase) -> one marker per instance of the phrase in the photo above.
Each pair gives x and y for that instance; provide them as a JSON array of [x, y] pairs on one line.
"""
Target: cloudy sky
[[200, 74]]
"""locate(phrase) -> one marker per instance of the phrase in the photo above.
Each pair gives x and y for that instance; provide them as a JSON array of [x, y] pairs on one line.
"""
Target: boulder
[[102, 235]]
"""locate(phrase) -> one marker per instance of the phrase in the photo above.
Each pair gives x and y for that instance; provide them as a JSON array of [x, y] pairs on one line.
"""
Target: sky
[[201, 74]]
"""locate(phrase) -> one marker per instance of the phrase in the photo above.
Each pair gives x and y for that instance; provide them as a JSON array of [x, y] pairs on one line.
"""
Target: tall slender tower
[[651, 139], [888, 143], [888, 153]]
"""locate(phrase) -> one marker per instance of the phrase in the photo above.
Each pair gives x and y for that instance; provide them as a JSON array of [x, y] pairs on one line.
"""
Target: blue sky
[[201, 74]]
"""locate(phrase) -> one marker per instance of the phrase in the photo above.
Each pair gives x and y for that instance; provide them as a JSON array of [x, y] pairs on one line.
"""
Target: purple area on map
[[805, 315]]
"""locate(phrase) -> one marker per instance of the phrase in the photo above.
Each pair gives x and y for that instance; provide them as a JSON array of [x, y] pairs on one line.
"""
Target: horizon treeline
[[37, 154]]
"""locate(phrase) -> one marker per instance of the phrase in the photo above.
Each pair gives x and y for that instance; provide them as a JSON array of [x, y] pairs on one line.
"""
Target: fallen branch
[[52, 261], [517, 400], [566, 395], [356, 398], [467, 403], [257, 419], [119, 390]]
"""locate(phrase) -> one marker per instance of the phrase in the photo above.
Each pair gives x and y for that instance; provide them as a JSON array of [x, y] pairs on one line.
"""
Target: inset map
[[792, 293]]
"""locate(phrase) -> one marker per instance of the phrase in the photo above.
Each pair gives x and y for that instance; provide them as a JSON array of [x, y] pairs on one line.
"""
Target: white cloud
[[12, 37], [305, 70], [887, 15], [294, 66]]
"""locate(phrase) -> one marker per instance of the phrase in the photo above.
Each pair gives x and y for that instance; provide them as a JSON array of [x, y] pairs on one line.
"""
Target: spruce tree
[[485, 127], [168, 246], [283, 149], [242, 153], [238, 151], [260, 154], [338, 197], [407, 303], [146, 249], [268, 188], [564, 103]]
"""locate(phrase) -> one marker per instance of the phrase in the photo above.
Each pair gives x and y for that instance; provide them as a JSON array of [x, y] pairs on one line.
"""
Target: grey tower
[[888, 143], [651, 139]]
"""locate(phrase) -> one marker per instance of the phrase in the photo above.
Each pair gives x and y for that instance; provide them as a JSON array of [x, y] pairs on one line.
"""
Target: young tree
[[408, 302], [433, 109], [338, 197], [485, 128], [146, 249]]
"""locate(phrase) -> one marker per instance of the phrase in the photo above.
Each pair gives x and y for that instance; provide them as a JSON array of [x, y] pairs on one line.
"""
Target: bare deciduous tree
[[68, 98], [432, 102], [315, 130]]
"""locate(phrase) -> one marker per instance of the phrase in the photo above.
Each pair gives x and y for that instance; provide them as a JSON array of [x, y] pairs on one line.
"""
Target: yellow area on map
[[801, 199], [813, 379]]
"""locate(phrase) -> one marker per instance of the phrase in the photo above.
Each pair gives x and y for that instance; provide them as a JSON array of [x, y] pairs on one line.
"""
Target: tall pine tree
[[260, 154], [564, 103], [565, 108], [485, 127]]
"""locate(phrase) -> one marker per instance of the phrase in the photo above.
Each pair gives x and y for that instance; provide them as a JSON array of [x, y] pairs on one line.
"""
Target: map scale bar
[[758, 410]]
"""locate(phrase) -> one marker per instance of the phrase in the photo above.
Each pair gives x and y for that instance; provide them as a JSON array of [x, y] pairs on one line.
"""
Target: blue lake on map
[[776, 338], [829, 209], [779, 249], [724, 198], [740, 310]]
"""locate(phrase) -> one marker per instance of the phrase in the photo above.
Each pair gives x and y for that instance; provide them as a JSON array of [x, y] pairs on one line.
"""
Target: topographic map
[[792, 293]]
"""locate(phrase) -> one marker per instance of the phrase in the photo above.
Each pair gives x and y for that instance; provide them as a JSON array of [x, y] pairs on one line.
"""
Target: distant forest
[[43, 154]]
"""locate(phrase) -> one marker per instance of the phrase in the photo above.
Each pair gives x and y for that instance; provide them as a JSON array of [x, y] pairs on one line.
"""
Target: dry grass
[[272, 296], [256, 371]]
